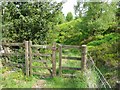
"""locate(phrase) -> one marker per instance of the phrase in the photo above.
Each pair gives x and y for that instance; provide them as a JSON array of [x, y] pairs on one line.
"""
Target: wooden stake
[[60, 60], [30, 57], [84, 57], [26, 59], [54, 59]]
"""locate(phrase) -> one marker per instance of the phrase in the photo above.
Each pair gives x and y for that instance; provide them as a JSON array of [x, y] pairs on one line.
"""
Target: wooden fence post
[[84, 57], [5, 51], [30, 57], [54, 59], [60, 60], [26, 59]]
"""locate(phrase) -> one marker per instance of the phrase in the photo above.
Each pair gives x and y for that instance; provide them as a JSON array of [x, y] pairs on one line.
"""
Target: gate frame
[[83, 57], [28, 59]]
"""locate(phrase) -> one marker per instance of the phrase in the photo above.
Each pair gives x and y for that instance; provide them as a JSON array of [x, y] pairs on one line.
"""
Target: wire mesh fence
[[101, 81]]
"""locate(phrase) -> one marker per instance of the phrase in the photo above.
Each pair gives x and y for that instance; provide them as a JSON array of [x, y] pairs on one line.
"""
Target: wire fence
[[101, 81]]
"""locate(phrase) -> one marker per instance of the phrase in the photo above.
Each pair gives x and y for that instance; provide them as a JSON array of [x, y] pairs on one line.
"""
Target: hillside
[[103, 48]]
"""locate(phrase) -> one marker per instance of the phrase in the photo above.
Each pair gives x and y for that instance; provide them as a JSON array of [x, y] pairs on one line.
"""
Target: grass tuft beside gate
[[15, 79], [60, 82]]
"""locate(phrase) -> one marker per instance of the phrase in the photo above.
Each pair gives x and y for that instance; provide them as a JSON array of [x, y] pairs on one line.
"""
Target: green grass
[[60, 82], [91, 78], [16, 79]]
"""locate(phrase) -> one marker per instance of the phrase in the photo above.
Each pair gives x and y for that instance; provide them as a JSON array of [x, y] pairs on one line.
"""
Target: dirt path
[[39, 84]]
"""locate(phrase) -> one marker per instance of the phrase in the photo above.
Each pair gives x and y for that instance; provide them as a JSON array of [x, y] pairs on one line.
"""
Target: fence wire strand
[[103, 82]]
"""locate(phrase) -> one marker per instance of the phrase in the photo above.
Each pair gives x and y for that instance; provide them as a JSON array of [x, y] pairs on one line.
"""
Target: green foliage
[[67, 33], [94, 22], [102, 39], [28, 21], [106, 58], [69, 16], [78, 9], [44, 23], [106, 53], [59, 18]]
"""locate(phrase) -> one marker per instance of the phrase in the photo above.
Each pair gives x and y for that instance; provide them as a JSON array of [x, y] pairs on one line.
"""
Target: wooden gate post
[[26, 59], [60, 60], [30, 57], [84, 57], [54, 59]]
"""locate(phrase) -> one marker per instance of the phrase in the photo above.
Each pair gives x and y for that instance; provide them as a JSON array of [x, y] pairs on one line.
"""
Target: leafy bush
[[67, 33], [102, 39], [106, 58]]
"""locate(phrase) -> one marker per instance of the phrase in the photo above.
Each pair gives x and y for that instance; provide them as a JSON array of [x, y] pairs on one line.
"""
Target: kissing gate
[[30, 53], [39, 57], [30, 57]]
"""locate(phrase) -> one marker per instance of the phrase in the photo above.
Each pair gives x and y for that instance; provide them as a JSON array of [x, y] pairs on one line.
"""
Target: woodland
[[95, 24]]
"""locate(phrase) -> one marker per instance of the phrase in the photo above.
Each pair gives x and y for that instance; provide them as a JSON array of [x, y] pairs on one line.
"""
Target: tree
[[59, 18], [98, 17], [79, 10], [28, 21], [69, 16]]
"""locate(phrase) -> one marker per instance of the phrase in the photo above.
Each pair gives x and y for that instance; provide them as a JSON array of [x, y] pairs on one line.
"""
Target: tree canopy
[[28, 21], [97, 18], [69, 16]]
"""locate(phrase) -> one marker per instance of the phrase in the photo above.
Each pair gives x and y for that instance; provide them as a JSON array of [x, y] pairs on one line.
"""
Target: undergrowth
[[15, 79], [76, 82]]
